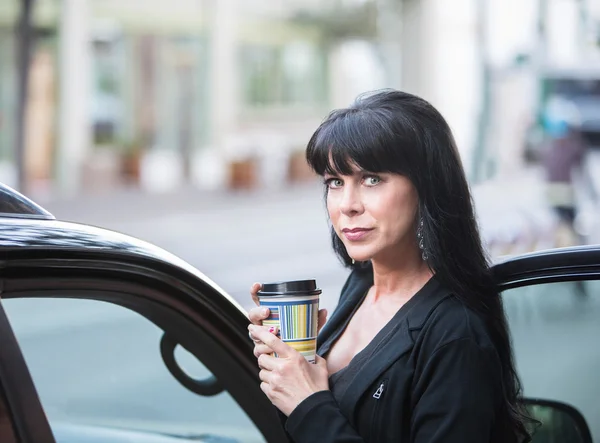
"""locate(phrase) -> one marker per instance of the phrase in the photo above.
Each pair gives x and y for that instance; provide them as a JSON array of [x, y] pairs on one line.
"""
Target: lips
[[355, 234]]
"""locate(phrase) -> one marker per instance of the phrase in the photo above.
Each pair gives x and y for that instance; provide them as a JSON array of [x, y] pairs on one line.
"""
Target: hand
[[288, 379], [258, 314]]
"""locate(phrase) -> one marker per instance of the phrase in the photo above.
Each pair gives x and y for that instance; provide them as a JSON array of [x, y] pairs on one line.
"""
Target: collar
[[397, 342], [418, 308], [424, 302]]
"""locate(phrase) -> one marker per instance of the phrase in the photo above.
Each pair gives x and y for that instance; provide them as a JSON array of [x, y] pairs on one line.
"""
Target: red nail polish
[[272, 329]]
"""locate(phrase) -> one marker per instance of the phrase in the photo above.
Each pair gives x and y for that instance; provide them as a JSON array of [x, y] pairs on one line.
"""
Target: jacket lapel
[[357, 286], [397, 342]]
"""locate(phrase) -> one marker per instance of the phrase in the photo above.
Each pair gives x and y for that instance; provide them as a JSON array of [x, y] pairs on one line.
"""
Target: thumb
[[322, 319]]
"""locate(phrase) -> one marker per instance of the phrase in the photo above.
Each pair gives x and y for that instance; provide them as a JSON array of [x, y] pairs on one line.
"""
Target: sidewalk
[[137, 205], [512, 211]]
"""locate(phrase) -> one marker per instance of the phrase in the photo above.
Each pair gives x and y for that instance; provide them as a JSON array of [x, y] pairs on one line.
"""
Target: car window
[[98, 364], [556, 331]]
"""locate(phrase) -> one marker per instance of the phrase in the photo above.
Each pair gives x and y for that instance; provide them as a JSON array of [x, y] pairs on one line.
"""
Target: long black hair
[[396, 132]]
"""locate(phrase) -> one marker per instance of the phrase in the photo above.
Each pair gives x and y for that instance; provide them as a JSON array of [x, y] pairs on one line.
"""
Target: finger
[[253, 338], [261, 349], [271, 329], [254, 292], [258, 314], [268, 362], [266, 389], [320, 361], [322, 319], [269, 339], [264, 376]]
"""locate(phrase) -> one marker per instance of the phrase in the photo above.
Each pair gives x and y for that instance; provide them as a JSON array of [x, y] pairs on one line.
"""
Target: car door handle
[[207, 387]]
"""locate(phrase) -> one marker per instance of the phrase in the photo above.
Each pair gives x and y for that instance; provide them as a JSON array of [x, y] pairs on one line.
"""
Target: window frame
[[203, 336], [548, 266]]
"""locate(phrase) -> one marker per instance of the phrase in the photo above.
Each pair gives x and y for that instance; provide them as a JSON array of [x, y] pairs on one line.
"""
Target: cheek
[[332, 209], [397, 211]]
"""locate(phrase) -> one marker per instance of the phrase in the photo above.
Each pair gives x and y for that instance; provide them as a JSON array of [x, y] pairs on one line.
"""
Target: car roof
[[15, 205], [26, 226]]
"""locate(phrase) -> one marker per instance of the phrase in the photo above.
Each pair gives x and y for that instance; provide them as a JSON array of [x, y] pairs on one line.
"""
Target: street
[[94, 362]]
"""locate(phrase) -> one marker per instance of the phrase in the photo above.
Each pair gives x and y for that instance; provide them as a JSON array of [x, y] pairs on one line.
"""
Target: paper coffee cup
[[294, 310]]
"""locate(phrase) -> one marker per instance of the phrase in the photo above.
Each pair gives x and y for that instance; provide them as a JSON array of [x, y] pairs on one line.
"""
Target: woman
[[417, 349]]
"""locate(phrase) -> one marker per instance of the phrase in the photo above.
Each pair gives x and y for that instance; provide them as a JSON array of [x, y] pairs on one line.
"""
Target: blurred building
[[162, 92], [226, 92]]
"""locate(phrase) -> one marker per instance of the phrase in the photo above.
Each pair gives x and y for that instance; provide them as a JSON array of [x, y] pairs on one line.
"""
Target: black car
[[75, 296]]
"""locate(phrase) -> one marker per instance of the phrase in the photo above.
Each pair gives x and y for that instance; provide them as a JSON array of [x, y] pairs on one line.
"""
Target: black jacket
[[436, 380]]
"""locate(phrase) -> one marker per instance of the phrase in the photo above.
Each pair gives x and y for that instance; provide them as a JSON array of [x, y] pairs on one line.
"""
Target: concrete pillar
[[224, 73], [418, 34], [440, 63], [210, 166], [353, 69], [8, 99], [564, 42], [74, 138], [389, 31]]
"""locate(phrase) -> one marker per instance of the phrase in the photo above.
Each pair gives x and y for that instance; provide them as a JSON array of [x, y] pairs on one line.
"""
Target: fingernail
[[272, 329], [264, 311]]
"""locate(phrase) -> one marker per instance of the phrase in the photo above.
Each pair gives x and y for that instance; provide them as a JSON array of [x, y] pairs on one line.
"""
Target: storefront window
[[293, 74], [107, 105]]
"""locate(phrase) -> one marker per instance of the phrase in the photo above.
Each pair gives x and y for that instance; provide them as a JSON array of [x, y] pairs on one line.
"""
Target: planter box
[[242, 174], [131, 167], [298, 169]]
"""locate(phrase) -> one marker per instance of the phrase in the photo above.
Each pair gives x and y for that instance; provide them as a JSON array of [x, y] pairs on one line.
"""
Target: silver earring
[[353, 261], [421, 240]]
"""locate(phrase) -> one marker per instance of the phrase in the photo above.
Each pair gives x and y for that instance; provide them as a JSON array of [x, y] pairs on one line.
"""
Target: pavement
[[511, 210], [513, 214]]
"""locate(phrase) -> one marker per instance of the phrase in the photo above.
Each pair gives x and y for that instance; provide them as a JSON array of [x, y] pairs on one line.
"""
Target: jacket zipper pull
[[378, 392]]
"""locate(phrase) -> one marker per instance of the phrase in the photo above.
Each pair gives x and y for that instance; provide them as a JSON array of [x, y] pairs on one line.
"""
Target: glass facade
[[149, 86], [292, 74]]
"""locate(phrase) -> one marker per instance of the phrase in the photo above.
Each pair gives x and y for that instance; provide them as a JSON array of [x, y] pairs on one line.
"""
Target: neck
[[399, 278]]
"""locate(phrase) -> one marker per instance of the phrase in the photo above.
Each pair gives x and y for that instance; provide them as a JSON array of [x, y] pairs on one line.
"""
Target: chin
[[359, 256]]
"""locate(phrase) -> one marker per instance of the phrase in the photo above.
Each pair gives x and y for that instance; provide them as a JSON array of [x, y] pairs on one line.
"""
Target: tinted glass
[[99, 364], [556, 329]]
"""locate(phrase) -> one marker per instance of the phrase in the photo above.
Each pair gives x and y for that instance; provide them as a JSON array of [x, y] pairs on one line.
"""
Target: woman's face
[[373, 214]]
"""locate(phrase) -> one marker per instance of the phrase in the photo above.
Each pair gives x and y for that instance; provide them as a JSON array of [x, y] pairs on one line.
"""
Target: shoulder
[[456, 340], [451, 322]]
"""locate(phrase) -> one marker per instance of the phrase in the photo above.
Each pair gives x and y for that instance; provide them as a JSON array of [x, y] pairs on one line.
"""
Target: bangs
[[368, 140]]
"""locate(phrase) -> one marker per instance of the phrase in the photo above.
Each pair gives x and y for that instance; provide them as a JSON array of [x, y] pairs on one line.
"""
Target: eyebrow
[[359, 172]]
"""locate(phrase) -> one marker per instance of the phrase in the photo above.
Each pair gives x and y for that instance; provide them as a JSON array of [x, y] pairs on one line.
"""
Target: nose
[[351, 202]]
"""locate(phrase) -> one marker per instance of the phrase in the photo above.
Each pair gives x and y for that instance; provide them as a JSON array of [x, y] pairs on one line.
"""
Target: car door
[[22, 418], [126, 342], [552, 301]]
